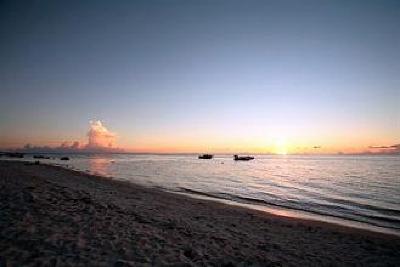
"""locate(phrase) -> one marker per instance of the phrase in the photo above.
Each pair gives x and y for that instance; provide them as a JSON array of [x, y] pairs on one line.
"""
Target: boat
[[14, 155], [236, 157], [40, 157], [64, 158], [206, 156]]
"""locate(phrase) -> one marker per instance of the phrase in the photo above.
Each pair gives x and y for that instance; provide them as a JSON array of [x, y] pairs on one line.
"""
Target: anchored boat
[[206, 156], [236, 157]]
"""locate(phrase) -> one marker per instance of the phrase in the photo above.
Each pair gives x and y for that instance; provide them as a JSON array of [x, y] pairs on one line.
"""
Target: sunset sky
[[202, 76]]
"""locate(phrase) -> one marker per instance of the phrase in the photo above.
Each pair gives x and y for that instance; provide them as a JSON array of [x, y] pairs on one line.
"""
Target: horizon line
[[199, 153]]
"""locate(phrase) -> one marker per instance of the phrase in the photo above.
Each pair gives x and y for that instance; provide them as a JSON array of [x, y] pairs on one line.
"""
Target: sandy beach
[[50, 216]]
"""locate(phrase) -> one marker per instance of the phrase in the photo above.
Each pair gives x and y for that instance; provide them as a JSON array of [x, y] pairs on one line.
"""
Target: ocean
[[362, 191]]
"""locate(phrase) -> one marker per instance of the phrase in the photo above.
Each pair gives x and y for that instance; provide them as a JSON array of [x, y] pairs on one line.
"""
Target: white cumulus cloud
[[99, 136]]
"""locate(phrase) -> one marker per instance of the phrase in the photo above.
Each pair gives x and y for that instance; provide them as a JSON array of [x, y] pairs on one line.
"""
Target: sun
[[281, 146]]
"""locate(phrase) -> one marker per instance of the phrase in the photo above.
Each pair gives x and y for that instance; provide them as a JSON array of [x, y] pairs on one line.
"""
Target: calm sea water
[[356, 188]]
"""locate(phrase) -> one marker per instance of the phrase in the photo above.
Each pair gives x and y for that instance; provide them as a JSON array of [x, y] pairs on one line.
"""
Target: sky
[[202, 76]]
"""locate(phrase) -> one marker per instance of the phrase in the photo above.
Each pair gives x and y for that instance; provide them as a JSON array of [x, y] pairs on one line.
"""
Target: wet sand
[[50, 216]]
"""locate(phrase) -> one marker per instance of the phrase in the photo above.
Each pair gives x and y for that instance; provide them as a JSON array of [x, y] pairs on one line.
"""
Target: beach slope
[[57, 217]]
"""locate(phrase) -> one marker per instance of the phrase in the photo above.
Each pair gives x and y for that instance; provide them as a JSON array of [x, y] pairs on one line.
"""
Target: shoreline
[[279, 211], [87, 211], [308, 217], [312, 218]]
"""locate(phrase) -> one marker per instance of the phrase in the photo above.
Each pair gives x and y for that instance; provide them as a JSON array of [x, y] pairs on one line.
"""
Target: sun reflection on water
[[99, 166]]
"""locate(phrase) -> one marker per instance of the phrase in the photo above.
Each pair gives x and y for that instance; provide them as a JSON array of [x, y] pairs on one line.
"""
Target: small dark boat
[[40, 157], [14, 155], [64, 158], [36, 162], [236, 157], [206, 156]]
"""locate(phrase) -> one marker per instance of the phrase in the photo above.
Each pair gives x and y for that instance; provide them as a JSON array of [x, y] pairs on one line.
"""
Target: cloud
[[99, 136], [100, 140], [75, 145], [65, 147], [396, 146], [379, 147], [392, 149]]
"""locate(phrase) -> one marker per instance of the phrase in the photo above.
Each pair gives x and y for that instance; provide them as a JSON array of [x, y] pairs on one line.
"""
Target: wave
[[329, 209]]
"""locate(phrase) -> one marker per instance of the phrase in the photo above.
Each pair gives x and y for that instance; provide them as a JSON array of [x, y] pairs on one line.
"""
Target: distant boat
[[236, 157], [40, 157], [14, 155], [206, 156], [64, 158]]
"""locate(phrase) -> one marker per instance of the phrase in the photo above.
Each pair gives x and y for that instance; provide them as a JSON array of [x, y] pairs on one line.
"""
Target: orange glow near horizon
[[276, 142], [279, 148]]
